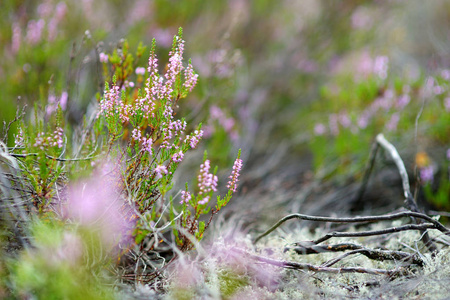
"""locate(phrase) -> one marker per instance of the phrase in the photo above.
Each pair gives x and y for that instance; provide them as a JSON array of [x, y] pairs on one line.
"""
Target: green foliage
[[132, 147], [55, 268]]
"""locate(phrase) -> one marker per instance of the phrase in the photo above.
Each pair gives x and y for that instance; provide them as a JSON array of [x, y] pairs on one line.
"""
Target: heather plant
[[115, 191], [354, 108]]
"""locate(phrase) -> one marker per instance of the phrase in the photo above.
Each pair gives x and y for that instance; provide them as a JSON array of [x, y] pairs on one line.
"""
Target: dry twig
[[304, 248], [314, 268]]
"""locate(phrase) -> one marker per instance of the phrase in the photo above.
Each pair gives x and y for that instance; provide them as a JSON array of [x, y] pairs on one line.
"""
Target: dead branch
[[333, 234], [310, 267], [375, 254], [369, 219], [410, 202]]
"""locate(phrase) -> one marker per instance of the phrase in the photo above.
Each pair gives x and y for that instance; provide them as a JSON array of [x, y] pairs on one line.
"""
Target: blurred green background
[[274, 75]]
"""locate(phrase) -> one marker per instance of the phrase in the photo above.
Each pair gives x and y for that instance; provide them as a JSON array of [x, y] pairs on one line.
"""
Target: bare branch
[[374, 232], [375, 254], [367, 219], [310, 267]]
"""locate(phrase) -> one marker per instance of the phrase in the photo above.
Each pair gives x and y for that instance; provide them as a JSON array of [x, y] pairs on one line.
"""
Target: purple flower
[[178, 156], [185, 197], [103, 57], [147, 143], [234, 177], [34, 31], [63, 100], [19, 140], [426, 174], [393, 122], [207, 182], [140, 71], [16, 37], [445, 74], [437, 90], [194, 138], [136, 134], [190, 78], [159, 170], [363, 120], [344, 120], [380, 66], [53, 103], [402, 101], [319, 129], [96, 204], [448, 153]]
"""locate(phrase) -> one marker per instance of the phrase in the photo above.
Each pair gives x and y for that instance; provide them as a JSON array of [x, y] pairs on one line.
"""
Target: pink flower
[[34, 31], [63, 100], [147, 143], [178, 156], [190, 78], [380, 66], [344, 119], [159, 170], [16, 37], [194, 138], [234, 177], [136, 134], [97, 205], [319, 129], [18, 139], [207, 182], [445, 74], [185, 197], [393, 122], [402, 101], [427, 174], [140, 71], [103, 58]]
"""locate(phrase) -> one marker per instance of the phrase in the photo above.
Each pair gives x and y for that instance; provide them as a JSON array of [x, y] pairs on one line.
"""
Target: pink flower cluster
[[427, 174], [97, 204], [53, 103], [140, 71], [19, 139], [207, 182], [145, 141], [103, 57], [185, 197], [159, 93], [171, 129], [227, 123], [191, 78], [378, 66], [112, 104], [194, 138], [387, 102], [178, 156], [49, 19], [175, 65], [159, 171], [54, 140], [34, 31], [234, 177]]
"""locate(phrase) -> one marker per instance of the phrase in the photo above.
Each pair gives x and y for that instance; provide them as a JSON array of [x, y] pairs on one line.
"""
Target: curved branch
[[388, 217]]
